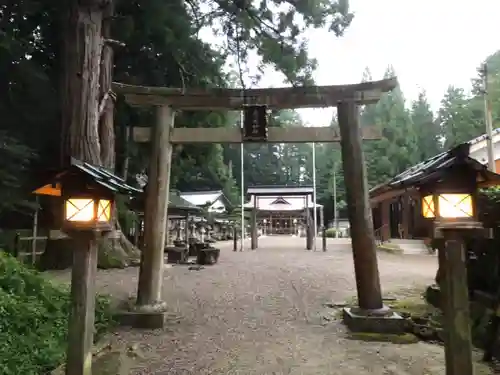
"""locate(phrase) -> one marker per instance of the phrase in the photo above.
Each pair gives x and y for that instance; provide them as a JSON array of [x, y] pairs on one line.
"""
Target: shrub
[[330, 232], [33, 320]]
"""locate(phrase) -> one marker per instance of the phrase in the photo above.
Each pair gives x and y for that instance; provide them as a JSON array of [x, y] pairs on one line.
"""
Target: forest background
[[161, 48]]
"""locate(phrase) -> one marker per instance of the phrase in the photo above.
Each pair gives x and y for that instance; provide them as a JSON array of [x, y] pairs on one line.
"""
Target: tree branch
[[114, 42], [102, 105]]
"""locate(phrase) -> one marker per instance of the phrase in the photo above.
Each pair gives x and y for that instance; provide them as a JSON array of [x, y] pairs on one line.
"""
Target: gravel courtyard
[[260, 312]]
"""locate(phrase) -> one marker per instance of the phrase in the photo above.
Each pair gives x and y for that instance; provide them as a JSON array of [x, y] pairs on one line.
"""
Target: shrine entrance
[[254, 104], [283, 210]]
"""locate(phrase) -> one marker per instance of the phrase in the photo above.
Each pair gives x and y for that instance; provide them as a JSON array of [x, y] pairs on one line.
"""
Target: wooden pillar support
[[235, 238], [458, 342], [323, 227], [309, 243], [405, 214], [360, 220], [155, 215], [82, 305], [186, 230], [385, 215], [253, 225]]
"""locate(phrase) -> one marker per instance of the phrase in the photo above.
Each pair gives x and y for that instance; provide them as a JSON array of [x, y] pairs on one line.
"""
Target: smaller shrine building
[[283, 210]]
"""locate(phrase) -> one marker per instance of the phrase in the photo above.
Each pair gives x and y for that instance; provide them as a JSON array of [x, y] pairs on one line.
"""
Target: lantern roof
[[433, 169], [96, 174]]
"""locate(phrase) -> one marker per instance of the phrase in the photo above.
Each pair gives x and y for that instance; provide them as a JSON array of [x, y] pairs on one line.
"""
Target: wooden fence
[[28, 246]]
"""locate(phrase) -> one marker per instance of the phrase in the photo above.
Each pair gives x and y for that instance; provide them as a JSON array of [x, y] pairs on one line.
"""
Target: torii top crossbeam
[[274, 98]]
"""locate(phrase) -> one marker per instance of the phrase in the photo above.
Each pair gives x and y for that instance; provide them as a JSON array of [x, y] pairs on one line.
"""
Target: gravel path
[[259, 312]]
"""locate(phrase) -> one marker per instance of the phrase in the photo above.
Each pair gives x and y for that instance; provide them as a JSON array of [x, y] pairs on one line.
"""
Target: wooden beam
[[391, 195], [233, 135], [274, 98]]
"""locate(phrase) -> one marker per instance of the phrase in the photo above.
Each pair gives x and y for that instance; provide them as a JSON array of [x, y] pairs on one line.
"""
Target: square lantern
[[87, 195], [449, 192], [87, 212], [448, 206]]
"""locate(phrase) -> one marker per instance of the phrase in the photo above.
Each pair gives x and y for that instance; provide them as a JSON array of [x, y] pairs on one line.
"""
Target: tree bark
[[106, 124], [81, 66], [87, 132]]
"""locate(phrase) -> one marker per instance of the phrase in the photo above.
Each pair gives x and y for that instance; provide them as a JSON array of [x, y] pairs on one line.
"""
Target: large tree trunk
[[87, 131]]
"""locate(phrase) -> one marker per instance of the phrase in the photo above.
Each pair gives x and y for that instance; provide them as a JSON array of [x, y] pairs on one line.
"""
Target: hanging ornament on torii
[[255, 127]]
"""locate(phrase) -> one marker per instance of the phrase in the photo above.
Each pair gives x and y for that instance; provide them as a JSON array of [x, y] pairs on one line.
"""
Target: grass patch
[[414, 305], [390, 248], [34, 318]]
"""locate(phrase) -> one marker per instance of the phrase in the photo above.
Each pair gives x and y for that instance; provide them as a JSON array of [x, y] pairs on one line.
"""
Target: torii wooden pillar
[[347, 98]]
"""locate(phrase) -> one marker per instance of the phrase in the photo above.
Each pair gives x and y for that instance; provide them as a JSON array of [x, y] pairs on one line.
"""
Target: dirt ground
[[260, 312]]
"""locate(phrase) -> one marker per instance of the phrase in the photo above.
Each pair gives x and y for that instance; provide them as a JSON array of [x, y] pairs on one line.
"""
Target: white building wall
[[481, 153]]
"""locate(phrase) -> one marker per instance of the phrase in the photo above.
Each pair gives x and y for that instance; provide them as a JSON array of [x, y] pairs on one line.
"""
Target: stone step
[[406, 241], [410, 246]]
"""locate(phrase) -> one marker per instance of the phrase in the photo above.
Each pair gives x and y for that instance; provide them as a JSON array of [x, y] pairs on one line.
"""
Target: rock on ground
[[261, 312]]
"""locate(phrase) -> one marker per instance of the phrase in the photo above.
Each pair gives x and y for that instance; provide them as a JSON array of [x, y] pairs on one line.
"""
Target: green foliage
[[273, 29], [330, 232], [14, 168], [33, 320], [457, 119], [426, 129], [397, 150]]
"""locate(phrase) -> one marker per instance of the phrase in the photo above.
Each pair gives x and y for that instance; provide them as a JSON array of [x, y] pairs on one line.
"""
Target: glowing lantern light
[[448, 206]]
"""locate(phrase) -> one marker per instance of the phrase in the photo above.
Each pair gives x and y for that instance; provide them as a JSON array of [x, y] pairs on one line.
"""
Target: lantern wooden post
[[87, 193], [82, 303], [86, 217], [458, 341], [450, 203]]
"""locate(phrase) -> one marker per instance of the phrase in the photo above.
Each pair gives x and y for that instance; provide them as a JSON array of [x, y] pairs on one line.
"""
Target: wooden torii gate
[[163, 135]]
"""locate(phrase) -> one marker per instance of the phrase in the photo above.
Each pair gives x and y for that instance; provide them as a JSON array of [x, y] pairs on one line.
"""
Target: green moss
[[404, 338], [414, 306], [108, 257], [481, 368]]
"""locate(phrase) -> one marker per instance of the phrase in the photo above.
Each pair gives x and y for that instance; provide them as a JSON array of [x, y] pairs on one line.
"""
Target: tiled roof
[[201, 198], [432, 168], [280, 190], [177, 202]]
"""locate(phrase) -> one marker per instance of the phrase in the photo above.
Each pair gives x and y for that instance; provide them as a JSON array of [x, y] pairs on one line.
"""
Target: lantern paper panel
[[455, 206], [104, 210], [428, 209], [449, 206], [79, 209], [84, 210]]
